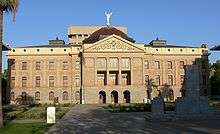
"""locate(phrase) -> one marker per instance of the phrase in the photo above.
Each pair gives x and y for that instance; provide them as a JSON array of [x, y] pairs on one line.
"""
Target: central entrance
[[102, 97], [127, 98], [114, 96]]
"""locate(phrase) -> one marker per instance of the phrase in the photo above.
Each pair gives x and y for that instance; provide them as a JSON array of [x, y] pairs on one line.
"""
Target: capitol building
[[102, 64]]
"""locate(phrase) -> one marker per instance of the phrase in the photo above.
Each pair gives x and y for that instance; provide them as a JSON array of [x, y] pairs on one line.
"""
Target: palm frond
[[10, 6]]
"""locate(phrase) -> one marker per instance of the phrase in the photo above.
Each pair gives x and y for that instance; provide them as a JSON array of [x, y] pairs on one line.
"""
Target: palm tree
[[167, 92], [151, 86], [5, 6]]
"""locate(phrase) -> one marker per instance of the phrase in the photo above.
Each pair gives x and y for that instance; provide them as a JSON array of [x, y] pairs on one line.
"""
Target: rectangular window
[[101, 63], [102, 78], [65, 65], [170, 80], [37, 81], [146, 79], [146, 64], [51, 65], [77, 78], [125, 63], [79, 36], [24, 66], [77, 63], [86, 35], [12, 82], [169, 65], [157, 79], [204, 80], [157, 64], [74, 36], [113, 78], [181, 64], [24, 81], [38, 65], [125, 77], [113, 63], [51, 81], [182, 79], [65, 81]]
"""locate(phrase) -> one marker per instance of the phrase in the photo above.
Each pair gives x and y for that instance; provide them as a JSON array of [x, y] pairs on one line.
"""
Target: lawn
[[33, 112], [30, 128]]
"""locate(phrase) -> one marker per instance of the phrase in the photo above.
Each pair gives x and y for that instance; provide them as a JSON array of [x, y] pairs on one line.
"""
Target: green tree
[[5, 74], [215, 78], [5, 6], [167, 93], [151, 86], [4, 86]]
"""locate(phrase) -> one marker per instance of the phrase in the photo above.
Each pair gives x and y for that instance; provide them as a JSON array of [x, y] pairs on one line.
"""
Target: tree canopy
[[215, 78], [9, 6]]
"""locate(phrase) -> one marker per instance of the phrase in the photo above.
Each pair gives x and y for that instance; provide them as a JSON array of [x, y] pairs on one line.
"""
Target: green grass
[[30, 128], [36, 112]]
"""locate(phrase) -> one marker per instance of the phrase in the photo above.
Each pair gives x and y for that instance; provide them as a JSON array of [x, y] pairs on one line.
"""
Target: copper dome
[[105, 32]]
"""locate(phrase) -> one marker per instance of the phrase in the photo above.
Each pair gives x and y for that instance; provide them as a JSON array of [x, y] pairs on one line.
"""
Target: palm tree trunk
[[1, 42]]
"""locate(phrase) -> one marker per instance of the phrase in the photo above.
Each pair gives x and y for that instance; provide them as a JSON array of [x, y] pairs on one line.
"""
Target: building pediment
[[113, 43]]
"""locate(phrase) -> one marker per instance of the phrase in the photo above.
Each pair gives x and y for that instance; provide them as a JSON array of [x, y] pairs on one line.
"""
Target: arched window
[[37, 96], [51, 96], [65, 95], [12, 96]]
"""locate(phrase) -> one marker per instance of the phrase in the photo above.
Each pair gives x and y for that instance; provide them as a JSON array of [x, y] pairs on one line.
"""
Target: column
[[131, 70], [107, 69], [95, 72], [119, 72]]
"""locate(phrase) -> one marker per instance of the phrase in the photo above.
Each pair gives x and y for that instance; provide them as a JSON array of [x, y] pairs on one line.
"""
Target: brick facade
[[125, 66]]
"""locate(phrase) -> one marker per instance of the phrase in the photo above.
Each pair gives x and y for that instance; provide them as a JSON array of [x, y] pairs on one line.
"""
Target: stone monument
[[157, 107], [192, 103], [191, 106]]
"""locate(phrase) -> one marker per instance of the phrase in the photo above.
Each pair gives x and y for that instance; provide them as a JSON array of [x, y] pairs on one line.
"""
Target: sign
[[51, 117]]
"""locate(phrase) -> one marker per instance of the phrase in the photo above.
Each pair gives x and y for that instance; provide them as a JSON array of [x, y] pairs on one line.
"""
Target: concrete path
[[92, 119]]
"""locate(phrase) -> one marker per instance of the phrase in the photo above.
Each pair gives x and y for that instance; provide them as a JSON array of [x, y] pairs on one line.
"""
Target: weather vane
[[108, 16]]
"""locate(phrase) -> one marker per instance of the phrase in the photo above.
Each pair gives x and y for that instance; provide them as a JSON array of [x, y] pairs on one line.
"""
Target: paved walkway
[[92, 119]]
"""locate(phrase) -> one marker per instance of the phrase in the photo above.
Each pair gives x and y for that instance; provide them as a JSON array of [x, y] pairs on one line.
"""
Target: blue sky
[[181, 22]]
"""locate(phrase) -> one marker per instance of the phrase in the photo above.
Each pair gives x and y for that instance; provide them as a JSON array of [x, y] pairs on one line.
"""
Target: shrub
[[12, 115], [169, 106], [136, 107]]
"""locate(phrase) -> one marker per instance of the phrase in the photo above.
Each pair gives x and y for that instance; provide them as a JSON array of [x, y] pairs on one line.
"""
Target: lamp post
[[82, 99]]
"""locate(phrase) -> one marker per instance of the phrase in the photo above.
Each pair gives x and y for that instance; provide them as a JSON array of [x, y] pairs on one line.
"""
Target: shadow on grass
[[29, 128]]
